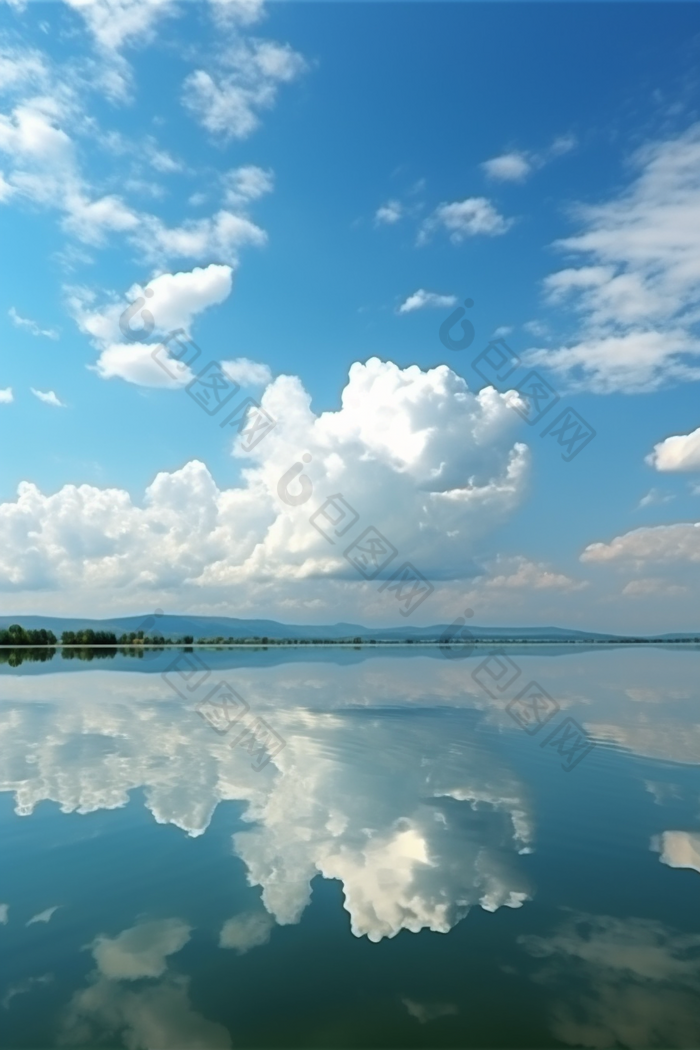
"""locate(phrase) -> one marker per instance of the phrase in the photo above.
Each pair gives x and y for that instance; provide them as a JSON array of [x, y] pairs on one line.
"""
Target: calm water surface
[[375, 853]]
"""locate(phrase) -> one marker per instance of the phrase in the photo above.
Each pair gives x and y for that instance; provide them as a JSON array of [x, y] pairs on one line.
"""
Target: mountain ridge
[[177, 625]]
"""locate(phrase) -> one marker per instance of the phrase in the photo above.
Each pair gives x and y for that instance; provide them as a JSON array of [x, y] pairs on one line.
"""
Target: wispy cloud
[[654, 498], [421, 299], [389, 213], [31, 326], [43, 916], [246, 372], [48, 397], [518, 165], [637, 289], [471, 217]]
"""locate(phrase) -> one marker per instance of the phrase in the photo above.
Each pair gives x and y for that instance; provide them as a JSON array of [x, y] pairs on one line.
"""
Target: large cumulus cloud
[[419, 456]]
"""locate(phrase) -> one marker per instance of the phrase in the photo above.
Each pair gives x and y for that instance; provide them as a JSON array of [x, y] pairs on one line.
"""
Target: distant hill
[[173, 626]]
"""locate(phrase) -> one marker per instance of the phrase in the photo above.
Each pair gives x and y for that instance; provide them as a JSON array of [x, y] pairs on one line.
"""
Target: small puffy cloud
[[561, 145], [4, 910], [659, 544], [138, 363], [115, 24], [475, 216], [140, 951], [246, 931], [31, 326], [228, 101], [389, 213], [509, 167], [170, 302], [679, 849], [6, 396], [48, 397], [245, 184], [517, 165], [516, 573], [677, 453], [43, 916], [421, 299], [246, 372]]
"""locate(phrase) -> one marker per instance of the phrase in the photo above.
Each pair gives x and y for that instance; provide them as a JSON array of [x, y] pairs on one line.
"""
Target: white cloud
[[509, 167], [245, 184], [638, 285], [246, 372], [48, 397], [140, 951], [659, 544], [468, 218], [651, 585], [431, 464], [516, 573], [43, 916], [244, 12], [654, 498], [6, 396], [537, 328], [229, 101], [421, 299], [517, 165], [246, 931], [115, 23], [389, 213], [31, 326], [46, 171], [677, 453], [4, 910], [6, 190], [175, 301]]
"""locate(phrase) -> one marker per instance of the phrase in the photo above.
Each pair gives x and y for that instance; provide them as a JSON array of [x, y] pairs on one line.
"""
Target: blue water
[[392, 860]]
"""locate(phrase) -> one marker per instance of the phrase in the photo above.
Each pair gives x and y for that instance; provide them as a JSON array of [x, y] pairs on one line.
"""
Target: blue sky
[[310, 190]]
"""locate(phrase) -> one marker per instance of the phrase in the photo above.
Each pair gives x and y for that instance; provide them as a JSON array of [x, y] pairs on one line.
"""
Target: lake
[[376, 847]]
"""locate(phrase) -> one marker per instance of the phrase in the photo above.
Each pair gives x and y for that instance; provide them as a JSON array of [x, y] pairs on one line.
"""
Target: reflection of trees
[[14, 657], [88, 653]]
